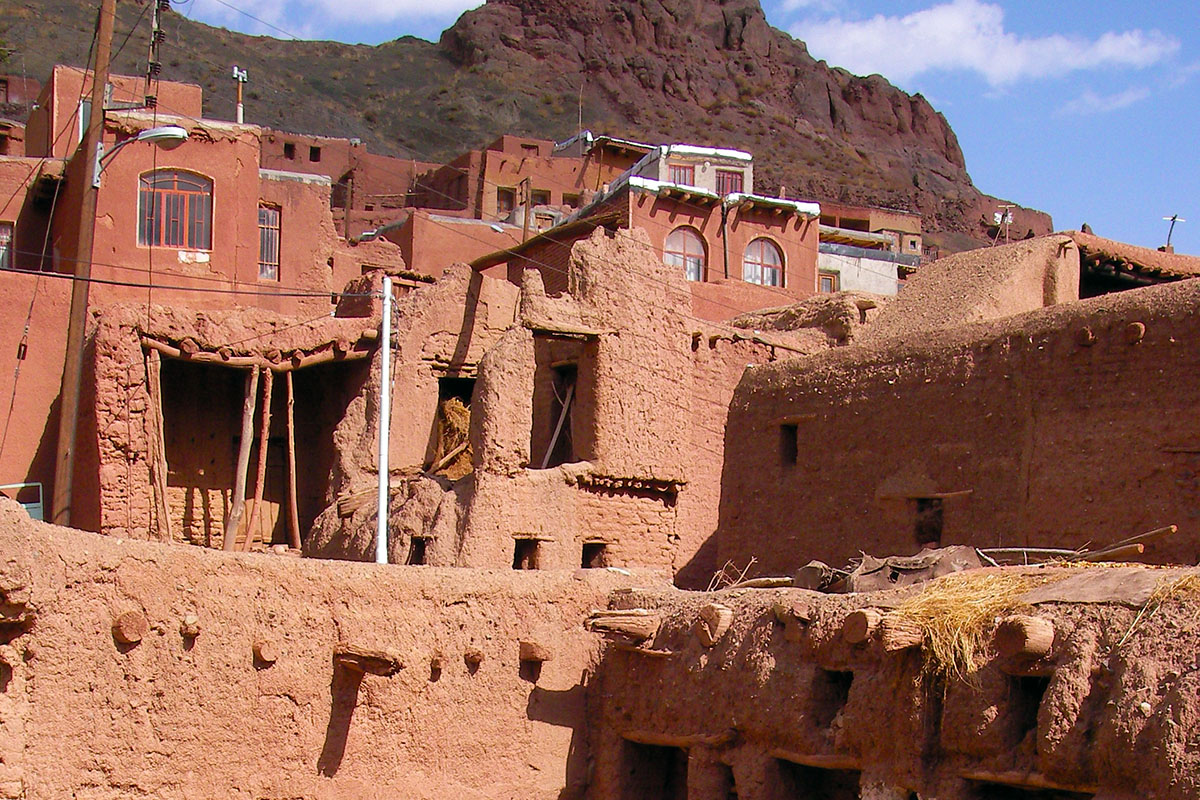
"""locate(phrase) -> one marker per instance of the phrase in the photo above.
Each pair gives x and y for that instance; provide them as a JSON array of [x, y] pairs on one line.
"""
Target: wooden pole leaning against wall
[[158, 444], [293, 512], [243, 461], [261, 475]]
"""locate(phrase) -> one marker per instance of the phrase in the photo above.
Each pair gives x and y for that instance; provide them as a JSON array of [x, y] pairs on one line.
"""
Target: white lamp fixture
[[166, 137]]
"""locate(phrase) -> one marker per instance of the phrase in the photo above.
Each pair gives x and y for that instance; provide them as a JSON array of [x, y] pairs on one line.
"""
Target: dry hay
[[1163, 591], [454, 427], [957, 614], [729, 575]]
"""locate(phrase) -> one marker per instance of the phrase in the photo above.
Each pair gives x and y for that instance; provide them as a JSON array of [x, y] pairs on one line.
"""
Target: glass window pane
[[6, 245], [763, 263], [684, 248]]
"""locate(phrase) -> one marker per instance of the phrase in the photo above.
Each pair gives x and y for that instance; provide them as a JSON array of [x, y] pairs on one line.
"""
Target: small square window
[[314, 154], [526, 553], [571, 200], [595, 555], [828, 282], [289, 151], [539, 197], [506, 200], [417, 551]]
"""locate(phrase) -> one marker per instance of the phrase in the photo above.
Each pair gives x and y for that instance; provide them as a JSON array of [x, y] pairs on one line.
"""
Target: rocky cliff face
[[717, 73], [700, 71]]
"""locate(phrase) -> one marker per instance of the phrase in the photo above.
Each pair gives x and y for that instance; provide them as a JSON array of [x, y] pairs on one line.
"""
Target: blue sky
[[1086, 110]]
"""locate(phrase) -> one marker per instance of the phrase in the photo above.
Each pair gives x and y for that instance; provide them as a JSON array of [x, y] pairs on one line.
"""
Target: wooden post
[[260, 477], [293, 513], [1023, 635], [243, 460], [899, 633], [158, 444], [860, 625]]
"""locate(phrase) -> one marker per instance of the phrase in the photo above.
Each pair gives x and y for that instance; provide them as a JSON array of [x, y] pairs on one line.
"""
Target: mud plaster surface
[[170, 717]]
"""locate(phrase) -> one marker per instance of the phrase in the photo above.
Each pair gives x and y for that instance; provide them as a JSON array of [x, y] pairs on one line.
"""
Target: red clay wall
[[31, 386], [782, 707], [182, 717], [54, 125], [1056, 428], [430, 243], [723, 297]]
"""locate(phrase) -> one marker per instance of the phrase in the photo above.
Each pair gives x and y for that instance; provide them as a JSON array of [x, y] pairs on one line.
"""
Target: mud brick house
[[368, 190], [738, 251], [229, 252], [988, 405], [515, 186]]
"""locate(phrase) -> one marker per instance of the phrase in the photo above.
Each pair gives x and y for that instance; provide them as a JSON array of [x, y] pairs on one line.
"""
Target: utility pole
[[527, 192], [1007, 208], [86, 158], [385, 422], [240, 76]]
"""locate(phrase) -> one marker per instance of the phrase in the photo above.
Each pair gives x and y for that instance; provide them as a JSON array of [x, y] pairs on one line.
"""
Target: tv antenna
[[1172, 219]]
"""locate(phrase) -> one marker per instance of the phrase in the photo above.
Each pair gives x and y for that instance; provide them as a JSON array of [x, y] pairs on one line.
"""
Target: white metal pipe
[[385, 421]]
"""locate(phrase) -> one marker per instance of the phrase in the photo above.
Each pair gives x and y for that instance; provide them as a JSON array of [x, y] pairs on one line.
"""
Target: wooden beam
[[367, 661], [293, 512], [818, 760], [243, 460], [684, 740], [260, 477], [225, 357], [1027, 780], [158, 444]]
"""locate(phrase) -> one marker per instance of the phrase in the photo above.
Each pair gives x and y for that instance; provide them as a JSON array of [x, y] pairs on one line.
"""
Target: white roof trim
[[705, 152], [649, 185], [799, 206]]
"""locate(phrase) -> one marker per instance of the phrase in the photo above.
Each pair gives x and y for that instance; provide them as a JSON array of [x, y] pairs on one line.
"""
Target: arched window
[[763, 263], [175, 210], [685, 249]]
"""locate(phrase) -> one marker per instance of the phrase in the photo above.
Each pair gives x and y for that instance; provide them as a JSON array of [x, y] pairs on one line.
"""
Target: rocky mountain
[[701, 71]]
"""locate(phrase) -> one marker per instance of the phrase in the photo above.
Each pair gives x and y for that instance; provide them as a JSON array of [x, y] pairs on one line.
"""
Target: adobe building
[[737, 250], [181, 229], [988, 406], [574, 436], [368, 190]]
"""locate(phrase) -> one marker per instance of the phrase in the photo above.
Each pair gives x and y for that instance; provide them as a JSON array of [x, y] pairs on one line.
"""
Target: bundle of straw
[[957, 614]]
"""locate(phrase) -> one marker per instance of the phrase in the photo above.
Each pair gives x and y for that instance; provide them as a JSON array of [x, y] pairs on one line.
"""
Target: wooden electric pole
[[86, 157]]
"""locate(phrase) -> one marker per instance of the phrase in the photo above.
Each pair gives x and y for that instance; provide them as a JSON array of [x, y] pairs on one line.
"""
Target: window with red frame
[[682, 174], [730, 181], [175, 210]]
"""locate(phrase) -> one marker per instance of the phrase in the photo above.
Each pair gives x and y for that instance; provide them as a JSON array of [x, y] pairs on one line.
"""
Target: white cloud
[[970, 35], [791, 6], [306, 19], [1091, 103]]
